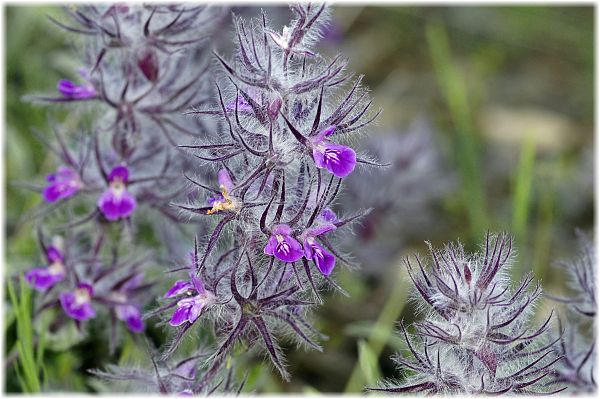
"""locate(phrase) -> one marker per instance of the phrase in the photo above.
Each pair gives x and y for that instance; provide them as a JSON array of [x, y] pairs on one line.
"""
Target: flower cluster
[[476, 336], [576, 342], [279, 157], [142, 66]]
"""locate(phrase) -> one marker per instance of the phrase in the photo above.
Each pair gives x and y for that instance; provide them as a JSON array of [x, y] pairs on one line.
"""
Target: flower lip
[[282, 245], [63, 184]]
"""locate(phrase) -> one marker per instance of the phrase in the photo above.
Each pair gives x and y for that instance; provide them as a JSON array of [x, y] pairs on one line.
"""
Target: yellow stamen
[[227, 204]]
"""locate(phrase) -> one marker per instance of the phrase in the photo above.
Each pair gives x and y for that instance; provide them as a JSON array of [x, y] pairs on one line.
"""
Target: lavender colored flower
[[116, 202], [74, 91], [190, 308], [338, 159], [283, 246], [63, 184], [126, 310], [43, 278], [314, 251], [77, 304]]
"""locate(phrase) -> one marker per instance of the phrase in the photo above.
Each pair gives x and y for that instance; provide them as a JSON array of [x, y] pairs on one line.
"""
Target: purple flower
[[284, 40], [62, 184], [42, 278], [190, 308], [116, 202], [338, 159], [324, 261], [132, 317], [77, 304], [314, 251], [74, 91], [283, 246], [223, 201], [126, 311]]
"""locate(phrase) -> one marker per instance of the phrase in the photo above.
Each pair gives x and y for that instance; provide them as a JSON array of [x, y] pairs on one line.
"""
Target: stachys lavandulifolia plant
[[576, 335], [284, 145], [139, 68], [476, 336]]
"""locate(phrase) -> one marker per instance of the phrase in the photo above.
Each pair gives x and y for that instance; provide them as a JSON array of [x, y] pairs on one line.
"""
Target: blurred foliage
[[510, 89]]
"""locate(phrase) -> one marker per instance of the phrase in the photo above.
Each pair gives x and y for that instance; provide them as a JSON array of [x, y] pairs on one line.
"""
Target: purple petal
[[132, 317], [328, 215], [119, 172], [72, 90], [225, 180], [198, 285], [328, 131], [41, 279], [282, 229], [116, 203], [77, 310], [324, 261], [54, 255], [63, 184], [288, 250], [338, 159], [178, 288], [180, 315], [271, 245], [195, 311]]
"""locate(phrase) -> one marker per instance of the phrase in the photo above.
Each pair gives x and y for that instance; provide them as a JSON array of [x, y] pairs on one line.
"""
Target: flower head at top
[[116, 202], [314, 251], [282, 245], [63, 184], [190, 307], [126, 311], [338, 159], [284, 41], [72, 90], [42, 278], [77, 304], [223, 201]]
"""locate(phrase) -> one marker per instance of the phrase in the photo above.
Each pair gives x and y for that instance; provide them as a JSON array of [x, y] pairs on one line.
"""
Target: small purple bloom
[[116, 202], [338, 159], [126, 311], [43, 278], [62, 184], [132, 317], [77, 304], [314, 251], [324, 261], [74, 91], [283, 246], [190, 308]]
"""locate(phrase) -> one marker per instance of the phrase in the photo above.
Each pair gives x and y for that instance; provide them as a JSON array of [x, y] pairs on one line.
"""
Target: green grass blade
[[383, 329], [454, 90]]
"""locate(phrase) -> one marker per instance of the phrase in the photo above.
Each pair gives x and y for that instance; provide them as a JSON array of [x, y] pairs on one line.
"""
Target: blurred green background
[[510, 92]]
